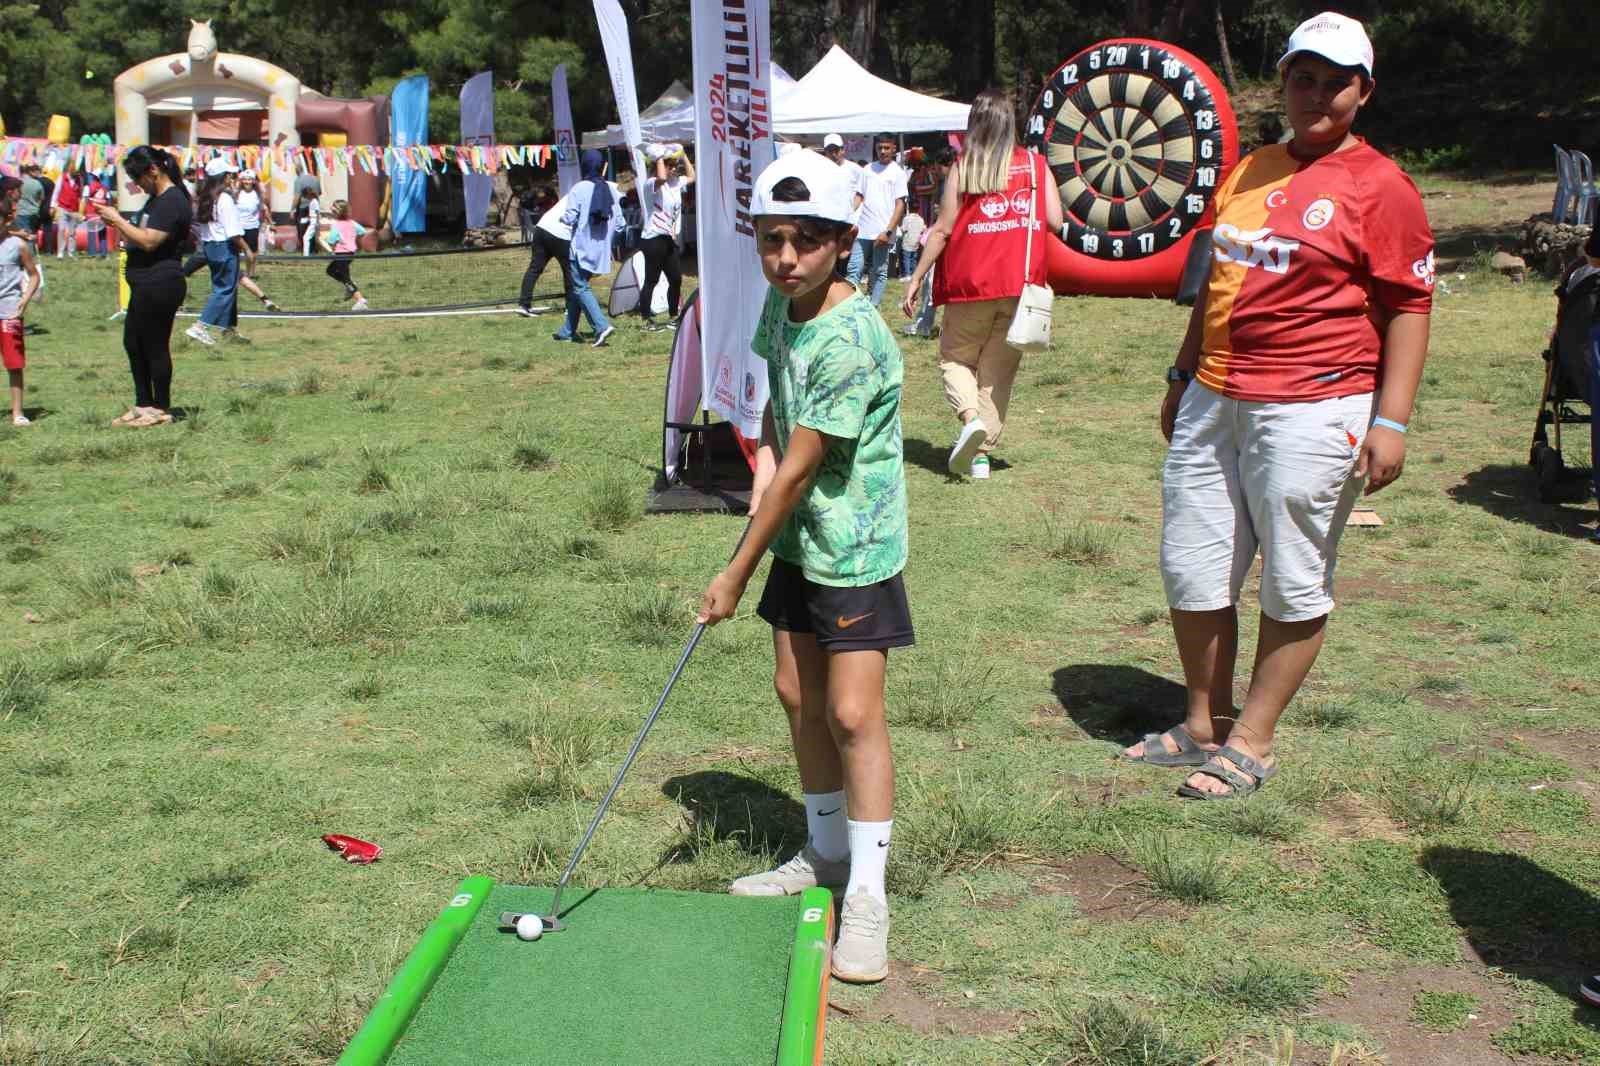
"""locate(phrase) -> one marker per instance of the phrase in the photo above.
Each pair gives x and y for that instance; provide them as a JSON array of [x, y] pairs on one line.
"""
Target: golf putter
[[552, 921]]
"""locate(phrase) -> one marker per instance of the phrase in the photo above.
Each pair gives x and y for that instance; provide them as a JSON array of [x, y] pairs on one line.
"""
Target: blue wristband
[[1389, 423]]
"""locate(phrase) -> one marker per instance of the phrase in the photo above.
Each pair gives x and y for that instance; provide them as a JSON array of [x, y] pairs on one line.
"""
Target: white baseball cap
[[1339, 39], [828, 185], [833, 140], [219, 166]]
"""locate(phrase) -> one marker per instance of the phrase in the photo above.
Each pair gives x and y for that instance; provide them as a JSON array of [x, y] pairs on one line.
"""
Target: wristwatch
[[1177, 374]]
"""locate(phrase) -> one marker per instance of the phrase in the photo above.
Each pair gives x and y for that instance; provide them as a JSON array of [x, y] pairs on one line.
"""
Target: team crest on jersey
[[994, 205], [1424, 269], [1318, 215], [1253, 248]]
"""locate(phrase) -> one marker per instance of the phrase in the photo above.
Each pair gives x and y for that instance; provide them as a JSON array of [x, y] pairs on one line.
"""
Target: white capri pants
[[1242, 475]]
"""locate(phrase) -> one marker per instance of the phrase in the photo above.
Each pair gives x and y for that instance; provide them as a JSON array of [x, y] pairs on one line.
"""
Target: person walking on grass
[[222, 239], [883, 192], [979, 243], [659, 238], [155, 279], [829, 499], [341, 236], [19, 280], [594, 216], [68, 203], [1291, 393], [552, 242]]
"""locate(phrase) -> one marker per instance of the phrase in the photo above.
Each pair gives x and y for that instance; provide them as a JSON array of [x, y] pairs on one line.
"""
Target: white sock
[[869, 854], [825, 819]]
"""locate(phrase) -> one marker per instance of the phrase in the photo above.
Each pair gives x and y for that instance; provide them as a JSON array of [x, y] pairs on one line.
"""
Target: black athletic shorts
[[854, 618]]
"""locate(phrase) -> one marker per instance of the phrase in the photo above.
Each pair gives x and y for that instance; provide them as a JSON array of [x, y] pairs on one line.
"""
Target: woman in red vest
[[982, 238]]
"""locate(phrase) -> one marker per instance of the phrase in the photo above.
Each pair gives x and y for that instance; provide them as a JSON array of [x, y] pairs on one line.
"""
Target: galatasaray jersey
[[1311, 259]]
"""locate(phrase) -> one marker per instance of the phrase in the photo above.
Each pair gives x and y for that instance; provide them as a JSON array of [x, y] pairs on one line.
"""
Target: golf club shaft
[[633, 753]]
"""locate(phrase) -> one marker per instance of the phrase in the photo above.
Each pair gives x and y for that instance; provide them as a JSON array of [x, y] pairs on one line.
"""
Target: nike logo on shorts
[[846, 623], [824, 814], [883, 843]]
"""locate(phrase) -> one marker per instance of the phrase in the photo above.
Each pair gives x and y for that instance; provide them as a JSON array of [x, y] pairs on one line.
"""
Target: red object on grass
[[351, 849]]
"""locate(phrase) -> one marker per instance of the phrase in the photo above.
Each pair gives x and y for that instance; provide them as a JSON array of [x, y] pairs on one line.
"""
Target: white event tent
[[838, 95]]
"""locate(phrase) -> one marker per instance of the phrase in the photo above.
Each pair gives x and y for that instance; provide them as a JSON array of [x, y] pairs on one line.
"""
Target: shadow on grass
[[724, 807], [1524, 919], [1118, 702], [1507, 491], [935, 458]]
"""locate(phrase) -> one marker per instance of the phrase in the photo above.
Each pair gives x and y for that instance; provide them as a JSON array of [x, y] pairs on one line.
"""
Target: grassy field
[[392, 579]]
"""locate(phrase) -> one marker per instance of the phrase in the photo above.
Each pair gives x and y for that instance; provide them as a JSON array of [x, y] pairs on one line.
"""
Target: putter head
[[508, 922]]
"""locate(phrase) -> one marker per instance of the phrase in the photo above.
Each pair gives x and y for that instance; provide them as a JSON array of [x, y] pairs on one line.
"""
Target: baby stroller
[[1566, 377]]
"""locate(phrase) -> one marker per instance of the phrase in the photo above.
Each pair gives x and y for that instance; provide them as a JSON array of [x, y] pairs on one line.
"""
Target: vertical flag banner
[[733, 140], [408, 126], [566, 138], [619, 59], [477, 129]]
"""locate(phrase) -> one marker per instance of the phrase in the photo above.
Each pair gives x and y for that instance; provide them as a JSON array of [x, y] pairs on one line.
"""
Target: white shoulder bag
[[1030, 326]]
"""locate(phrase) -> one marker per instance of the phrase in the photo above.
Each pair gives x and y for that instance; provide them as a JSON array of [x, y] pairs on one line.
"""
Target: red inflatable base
[[1076, 275]]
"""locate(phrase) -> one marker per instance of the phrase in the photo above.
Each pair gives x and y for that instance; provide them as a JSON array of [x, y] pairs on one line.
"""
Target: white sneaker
[[200, 334], [980, 468], [605, 335], [119, 313], [359, 305], [967, 444], [861, 954], [805, 870], [21, 420]]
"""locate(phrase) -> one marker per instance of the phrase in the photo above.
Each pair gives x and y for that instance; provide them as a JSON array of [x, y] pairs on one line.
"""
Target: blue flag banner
[[408, 125], [477, 129]]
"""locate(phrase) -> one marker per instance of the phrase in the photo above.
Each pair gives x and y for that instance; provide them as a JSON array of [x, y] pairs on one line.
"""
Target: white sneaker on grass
[[968, 441], [605, 335], [980, 468], [805, 870], [359, 305], [861, 954], [199, 334], [21, 420]]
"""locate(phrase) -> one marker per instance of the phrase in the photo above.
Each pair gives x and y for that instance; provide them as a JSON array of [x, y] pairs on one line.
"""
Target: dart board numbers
[[1133, 133]]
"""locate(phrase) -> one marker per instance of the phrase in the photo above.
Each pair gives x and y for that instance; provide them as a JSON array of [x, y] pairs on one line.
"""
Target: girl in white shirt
[[659, 241], [223, 240]]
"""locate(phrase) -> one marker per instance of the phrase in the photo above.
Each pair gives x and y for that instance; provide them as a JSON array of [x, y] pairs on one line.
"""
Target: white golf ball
[[529, 927]]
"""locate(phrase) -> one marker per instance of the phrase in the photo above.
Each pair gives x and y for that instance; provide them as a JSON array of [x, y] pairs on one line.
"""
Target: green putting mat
[[637, 976]]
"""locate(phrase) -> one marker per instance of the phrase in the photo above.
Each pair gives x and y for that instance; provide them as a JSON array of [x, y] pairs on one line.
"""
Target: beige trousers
[[978, 365]]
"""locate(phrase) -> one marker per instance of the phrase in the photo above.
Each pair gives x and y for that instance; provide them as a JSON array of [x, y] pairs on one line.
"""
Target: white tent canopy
[[675, 98], [838, 95]]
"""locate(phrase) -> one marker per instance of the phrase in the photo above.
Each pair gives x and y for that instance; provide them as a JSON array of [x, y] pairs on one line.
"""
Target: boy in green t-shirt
[[830, 500]]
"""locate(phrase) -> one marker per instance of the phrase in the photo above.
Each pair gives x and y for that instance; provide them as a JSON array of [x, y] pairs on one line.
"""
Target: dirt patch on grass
[[1579, 749], [1381, 1004], [1348, 816], [1373, 588], [912, 997], [1106, 889]]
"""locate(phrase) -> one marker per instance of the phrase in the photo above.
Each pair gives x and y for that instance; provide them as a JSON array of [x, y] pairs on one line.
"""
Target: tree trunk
[[1227, 55]]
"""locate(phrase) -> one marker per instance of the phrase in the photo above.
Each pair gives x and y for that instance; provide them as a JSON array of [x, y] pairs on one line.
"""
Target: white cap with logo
[[833, 140], [220, 166], [1339, 39], [828, 188]]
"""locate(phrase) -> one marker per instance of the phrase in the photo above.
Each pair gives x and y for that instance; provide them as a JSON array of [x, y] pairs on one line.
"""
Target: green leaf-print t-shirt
[[840, 375]]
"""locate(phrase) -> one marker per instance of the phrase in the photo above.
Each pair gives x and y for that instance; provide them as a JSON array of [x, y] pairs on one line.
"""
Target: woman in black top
[[155, 277]]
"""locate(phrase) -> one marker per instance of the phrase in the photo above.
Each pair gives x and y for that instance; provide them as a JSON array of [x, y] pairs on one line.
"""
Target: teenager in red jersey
[[1290, 396]]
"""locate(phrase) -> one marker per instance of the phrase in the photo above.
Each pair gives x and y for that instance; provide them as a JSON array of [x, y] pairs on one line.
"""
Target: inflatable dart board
[[1138, 135]]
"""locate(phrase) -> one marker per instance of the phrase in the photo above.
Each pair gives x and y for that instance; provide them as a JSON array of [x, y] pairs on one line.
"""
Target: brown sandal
[[127, 418]]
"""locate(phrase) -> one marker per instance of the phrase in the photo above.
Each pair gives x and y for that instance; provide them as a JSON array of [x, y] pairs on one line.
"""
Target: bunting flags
[[365, 158]]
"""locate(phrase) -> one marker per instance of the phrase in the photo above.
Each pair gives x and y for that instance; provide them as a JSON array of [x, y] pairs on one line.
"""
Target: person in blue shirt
[[594, 213]]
